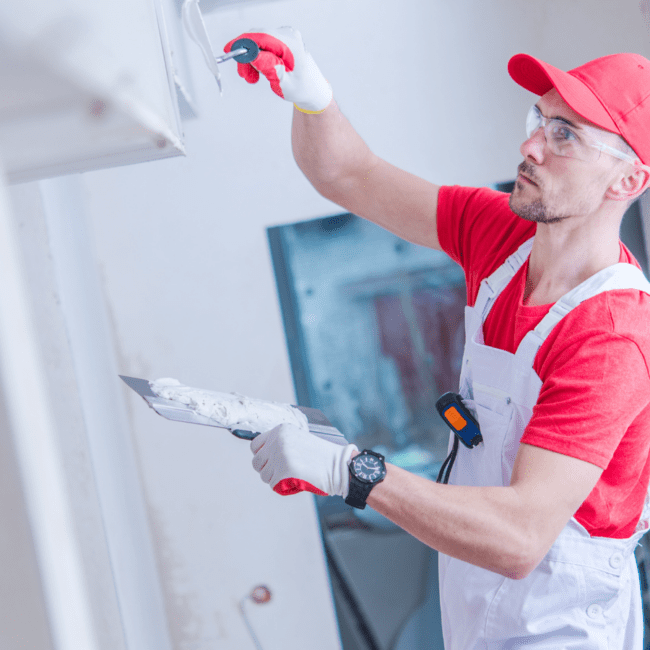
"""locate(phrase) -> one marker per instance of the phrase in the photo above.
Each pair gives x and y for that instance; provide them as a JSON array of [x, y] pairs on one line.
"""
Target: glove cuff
[[320, 97], [306, 87], [302, 110], [341, 481]]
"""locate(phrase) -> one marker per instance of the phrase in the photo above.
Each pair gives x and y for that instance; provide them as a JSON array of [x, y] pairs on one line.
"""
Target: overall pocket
[[494, 412]]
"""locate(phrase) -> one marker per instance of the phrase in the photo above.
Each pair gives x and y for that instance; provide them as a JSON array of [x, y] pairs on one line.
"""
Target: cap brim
[[539, 77]]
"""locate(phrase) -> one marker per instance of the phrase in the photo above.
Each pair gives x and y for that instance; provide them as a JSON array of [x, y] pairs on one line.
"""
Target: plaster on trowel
[[243, 50], [318, 424]]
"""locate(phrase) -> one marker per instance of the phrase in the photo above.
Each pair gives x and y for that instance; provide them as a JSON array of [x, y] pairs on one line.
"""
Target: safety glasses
[[564, 139]]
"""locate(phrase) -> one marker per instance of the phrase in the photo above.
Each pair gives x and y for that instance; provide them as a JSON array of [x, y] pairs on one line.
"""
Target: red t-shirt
[[594, 403]]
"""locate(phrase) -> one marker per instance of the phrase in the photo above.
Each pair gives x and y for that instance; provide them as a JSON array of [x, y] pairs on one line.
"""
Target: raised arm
[[330, 152], [342, 168]]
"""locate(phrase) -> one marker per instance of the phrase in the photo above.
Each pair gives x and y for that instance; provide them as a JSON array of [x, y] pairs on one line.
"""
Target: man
[[537, 528]]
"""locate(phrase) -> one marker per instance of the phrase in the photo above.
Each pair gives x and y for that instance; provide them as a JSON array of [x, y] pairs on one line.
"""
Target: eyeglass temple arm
[[620, 155]]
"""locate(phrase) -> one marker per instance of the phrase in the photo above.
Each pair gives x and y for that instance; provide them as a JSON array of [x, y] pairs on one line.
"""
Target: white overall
[[585, 594]]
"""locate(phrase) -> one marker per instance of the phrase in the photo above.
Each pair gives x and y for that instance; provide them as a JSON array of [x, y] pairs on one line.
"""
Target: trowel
[[319, 425], [243, 50]]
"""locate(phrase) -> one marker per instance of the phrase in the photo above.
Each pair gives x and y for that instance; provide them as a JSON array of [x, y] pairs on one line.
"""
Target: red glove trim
[[288, 486], [272, 52]]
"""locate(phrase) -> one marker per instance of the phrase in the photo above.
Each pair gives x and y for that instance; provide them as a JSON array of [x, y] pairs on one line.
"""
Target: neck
[[564, 255]]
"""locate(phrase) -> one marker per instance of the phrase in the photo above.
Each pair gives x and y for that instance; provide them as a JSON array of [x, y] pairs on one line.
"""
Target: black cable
[[448, 464]]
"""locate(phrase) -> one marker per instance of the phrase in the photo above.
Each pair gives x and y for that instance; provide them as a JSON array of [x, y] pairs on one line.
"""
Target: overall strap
[[493, 285], [617, 276]]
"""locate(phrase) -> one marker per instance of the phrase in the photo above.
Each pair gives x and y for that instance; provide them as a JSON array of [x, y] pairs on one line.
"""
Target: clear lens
[[564, 141], [561, 139], [533, 121]]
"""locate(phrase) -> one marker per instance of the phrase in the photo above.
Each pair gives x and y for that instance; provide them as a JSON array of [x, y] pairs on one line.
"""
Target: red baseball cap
[[613, 92]]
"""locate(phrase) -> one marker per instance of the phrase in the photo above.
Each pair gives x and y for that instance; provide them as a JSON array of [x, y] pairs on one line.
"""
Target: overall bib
[[585, 593]]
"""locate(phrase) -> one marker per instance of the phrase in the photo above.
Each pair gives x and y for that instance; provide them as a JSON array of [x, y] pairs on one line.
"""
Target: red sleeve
[[594, 404], [477, 229], [588, 400]]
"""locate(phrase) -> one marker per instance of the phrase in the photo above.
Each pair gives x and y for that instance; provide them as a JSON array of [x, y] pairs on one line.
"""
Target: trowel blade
[[195, 27], [319, 425]]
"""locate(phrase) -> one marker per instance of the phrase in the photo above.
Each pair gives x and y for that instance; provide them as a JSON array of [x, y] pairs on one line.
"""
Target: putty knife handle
[[251, 47], [244, 435]]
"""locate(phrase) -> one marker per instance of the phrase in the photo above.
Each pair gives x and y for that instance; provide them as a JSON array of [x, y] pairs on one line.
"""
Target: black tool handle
[[250, 45], [244, 435]]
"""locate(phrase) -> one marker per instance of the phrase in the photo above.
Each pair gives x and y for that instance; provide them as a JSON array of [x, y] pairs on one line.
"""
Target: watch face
[[368, 468]]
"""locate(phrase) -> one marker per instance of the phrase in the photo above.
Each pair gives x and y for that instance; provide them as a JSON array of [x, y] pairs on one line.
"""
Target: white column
[[22, 380]]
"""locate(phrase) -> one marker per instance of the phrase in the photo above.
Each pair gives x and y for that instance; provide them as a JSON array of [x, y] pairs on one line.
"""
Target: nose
[[535, 147]]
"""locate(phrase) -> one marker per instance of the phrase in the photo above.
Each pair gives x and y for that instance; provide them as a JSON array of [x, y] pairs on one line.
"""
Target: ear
[[630, 185]]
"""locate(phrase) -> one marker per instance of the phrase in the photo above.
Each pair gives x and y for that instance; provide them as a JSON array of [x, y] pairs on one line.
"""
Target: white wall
[[188, 279]]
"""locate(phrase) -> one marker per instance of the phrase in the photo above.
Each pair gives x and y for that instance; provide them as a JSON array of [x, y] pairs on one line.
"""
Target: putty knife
[[319, 425], [243, 50]]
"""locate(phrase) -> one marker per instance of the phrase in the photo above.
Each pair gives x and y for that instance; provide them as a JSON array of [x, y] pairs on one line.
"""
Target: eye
[[562, 133]]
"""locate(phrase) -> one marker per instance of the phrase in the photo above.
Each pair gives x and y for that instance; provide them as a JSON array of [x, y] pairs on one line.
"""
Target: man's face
[[551, 187]]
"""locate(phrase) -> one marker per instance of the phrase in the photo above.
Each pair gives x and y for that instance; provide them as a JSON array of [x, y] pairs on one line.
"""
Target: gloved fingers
[[267, 63], [259, 441], [290, 459], [269, 45], [248, 72], [263, 447], [266, 473], [291, 71], [272, 43], [273, 53], [259, 461]]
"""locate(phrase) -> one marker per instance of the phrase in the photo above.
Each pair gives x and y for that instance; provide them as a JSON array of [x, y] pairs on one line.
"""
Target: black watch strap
[[360, 489], [358, 493]]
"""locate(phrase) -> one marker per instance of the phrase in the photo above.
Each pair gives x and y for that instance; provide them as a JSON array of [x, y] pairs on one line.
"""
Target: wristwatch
[[366, 470]]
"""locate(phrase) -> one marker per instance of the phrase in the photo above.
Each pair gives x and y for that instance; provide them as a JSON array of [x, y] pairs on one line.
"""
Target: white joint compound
[[230, 410]]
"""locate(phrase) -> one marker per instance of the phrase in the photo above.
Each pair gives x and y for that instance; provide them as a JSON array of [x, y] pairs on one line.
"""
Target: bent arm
[[507, 530], [342, 168]]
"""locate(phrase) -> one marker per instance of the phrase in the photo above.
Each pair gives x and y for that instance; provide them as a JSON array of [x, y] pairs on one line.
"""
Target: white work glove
[[290, 69], [291, 459]]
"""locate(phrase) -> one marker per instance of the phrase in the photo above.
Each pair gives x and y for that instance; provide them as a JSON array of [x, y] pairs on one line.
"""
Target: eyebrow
[[559, 117]]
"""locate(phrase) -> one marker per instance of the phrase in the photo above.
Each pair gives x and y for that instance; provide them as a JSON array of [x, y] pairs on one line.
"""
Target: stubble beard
[[536, 210]]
